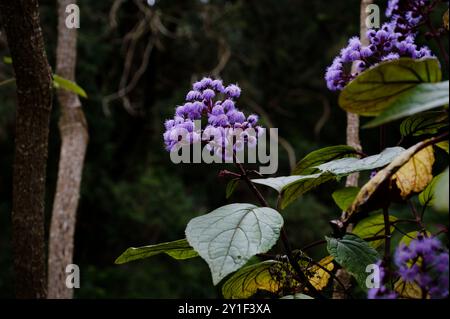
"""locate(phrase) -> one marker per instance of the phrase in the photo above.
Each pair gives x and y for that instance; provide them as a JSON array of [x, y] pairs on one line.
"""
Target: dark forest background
[[132, 195]]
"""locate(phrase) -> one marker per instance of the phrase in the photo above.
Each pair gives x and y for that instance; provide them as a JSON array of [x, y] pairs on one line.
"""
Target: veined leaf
[[408, 290], [424, 123], [249, 280], [60, 82], [178, 249], [344, 197], [423, 97], [354, 255], [415, 174], [426, 198], [319, 278], [373, 226], [441, 196], [229, 236], [375, 184], [375, 89], [309, 163], [279, 183], [346, 166]]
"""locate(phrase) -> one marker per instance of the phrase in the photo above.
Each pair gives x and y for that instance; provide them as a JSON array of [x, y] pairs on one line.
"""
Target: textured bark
[[353, 119], [20, 19], [74, 137], [353, 140]]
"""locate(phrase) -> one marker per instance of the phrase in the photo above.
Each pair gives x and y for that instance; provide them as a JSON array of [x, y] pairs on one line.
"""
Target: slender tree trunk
[[20, 19], [354, 141], [74, 136]]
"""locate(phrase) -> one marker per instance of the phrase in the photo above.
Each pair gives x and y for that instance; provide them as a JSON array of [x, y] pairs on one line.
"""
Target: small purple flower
[[208, 94], [233, 91], [193, 96]]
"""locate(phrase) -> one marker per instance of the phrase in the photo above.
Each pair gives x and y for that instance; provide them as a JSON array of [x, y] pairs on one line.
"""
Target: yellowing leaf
[[408, 290], [319, 277], [416, 174], [249, 280], [445, 20]]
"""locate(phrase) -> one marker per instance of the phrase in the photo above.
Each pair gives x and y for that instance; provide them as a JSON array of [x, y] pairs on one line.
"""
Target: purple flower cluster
[[395, 39], [210, 99], [423, 262]]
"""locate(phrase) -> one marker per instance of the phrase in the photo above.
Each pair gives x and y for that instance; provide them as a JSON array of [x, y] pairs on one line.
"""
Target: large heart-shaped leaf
[[249, 280], [178, 249], [354, 255], [423, 97], [229, 236], [377, 88]]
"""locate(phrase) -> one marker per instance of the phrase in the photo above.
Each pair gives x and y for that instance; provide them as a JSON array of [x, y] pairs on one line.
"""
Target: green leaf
[[297, 296], [296, 189], [229, 236], [426, 198], [7, 60], [346, 166], [309, 163], [344, 197], [178, 249], [441, 196], [249, 280], [423, 97], [279, 183], [354, 255], [375, 89], [424, 123], [231, 187], [443, 145], [60, 82], [373, 226]]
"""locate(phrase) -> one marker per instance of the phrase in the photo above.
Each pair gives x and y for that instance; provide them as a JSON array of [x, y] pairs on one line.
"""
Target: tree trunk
[[20, 19], [353, 140], [74, 136]]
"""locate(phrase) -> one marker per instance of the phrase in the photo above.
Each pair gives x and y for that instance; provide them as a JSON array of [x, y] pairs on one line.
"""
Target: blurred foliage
[[132, 194]]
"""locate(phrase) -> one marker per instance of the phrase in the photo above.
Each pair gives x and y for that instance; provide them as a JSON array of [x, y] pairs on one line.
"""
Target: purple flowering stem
[[284, 238]]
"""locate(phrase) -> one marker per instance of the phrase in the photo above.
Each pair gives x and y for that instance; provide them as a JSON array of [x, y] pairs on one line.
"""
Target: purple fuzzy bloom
[[193, 96], [233, 91], [217, 85], [228, 105], [208, 94], [252, 119]]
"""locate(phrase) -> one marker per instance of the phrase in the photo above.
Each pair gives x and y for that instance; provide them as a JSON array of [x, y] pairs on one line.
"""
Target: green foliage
[[423, 97], [178, 249], [231, 187], [344, 197], [308, 165], [250, 279], [62, 83], [441, 196], [377, 88], [373, 226], [354, 255], [426, 198], [229, 236], [424, 123]]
